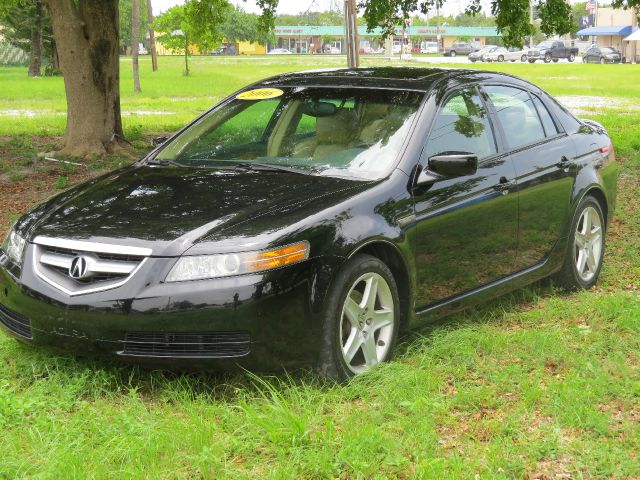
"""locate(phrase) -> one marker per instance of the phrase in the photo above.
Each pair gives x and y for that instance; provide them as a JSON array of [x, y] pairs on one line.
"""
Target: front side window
[[356, 133], [462, 125], [517, 115]]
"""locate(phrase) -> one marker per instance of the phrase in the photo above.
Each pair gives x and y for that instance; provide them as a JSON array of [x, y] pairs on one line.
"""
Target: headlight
[[14, 246], [225, 265]]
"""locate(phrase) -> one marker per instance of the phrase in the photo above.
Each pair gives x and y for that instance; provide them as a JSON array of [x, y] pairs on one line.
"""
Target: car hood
[[170, 209]]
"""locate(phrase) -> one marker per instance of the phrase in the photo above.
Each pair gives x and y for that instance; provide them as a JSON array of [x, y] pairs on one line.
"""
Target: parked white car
[[502, 54], [429, 47], [331, 50], [279, 51]]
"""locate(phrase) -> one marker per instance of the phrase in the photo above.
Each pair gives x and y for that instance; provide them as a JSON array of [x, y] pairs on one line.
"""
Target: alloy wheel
[[367, 323], [588, 244]]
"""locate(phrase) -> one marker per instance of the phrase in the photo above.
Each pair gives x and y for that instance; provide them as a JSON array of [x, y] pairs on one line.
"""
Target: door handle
[[563, 163], [505, 185]]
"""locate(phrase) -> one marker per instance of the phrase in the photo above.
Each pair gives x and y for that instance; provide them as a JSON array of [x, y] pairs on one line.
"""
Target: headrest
[[335, 129]]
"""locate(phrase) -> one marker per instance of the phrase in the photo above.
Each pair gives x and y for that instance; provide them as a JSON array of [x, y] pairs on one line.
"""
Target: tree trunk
[[152, 38], [86, 34], [186, 56], [35, 55], [135, 40]]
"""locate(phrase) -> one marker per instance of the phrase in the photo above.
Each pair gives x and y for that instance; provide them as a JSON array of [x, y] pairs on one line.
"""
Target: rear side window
[[462, 125], [547, 122], [517, 114]]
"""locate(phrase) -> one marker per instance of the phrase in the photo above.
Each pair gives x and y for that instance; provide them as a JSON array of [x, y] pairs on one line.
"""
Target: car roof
[[400, 78]]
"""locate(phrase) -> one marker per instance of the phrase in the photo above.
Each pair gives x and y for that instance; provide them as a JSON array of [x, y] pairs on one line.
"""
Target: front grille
[[15, 322], [101, 266], [187, 345]]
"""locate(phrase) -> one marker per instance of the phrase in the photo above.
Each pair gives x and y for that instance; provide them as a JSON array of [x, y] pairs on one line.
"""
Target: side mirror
[[159, 141], [454, 164], [448, 165]]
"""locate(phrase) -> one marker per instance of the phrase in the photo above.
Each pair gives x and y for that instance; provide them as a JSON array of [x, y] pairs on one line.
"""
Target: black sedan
[[310, 218], [596, 54]]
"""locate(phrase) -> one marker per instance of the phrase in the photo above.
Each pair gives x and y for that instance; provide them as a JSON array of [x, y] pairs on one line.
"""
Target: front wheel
[[585, 60], [523, 58], [531, 60], [501, 58], [602, 60], [361, 321], [586, 247], [547, 58], [555, 60], [572, 57], [453, 53]]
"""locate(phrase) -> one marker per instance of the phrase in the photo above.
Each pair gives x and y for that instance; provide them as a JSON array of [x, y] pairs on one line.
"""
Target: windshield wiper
[[164, 161], [271, 167]]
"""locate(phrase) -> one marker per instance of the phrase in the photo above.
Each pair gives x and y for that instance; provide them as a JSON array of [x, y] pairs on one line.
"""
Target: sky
[[451, 7]]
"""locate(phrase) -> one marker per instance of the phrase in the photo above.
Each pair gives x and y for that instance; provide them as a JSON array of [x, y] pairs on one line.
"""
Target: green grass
[[536, 384]]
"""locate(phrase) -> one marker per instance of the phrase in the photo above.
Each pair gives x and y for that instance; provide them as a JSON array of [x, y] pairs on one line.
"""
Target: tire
[[585, 60], [531, 60], [581, 269], [339, 330], [555, 60], [547, 58], [572, 57], [452, 53], [501, 58], [523, 58], [602, 60], [473, 60]]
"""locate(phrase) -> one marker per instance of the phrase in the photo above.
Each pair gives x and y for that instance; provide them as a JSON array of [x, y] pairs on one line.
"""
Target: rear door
[[466, 226], [542, 155]]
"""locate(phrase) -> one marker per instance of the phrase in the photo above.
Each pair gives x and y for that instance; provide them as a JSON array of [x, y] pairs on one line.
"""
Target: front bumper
[[261, 321]]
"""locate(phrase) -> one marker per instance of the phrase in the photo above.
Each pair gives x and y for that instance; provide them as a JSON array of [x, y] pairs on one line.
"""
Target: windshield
[[546, 44], [355, 133], [608, 50]]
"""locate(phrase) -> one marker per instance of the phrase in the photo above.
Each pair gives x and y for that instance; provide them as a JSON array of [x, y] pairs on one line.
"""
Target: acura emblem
[[79, 268]]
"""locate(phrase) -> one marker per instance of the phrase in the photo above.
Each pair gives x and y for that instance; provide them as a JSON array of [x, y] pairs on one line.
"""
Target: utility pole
[[152, 38], [351, 33]]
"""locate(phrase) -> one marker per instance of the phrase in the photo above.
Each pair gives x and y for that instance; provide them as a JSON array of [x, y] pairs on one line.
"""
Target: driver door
[[466, 226]]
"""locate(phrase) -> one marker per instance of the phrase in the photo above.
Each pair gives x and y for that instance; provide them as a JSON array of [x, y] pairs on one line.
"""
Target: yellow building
[[242, 48]]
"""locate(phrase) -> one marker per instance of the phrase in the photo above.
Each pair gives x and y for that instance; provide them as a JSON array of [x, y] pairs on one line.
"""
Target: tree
[[86, 33], [511, 16], [126, 16], [240, 26], [196, 23], [26, 25], [152, 38], [135, 43]]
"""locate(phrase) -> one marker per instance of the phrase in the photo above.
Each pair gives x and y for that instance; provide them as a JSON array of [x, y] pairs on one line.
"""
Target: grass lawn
[[537, 384]]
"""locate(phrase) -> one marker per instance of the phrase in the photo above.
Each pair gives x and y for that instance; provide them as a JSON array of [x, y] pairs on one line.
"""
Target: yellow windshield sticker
[[260, 94]]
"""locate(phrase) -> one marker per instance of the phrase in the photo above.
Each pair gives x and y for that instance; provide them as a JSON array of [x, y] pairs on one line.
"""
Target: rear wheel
[[453, 53], [602, 60], [531, 60], [555, 60], [361, 320], [501, 58], [572, 57], [586, 247], [523, 58], [585, 60], [547, 58]]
